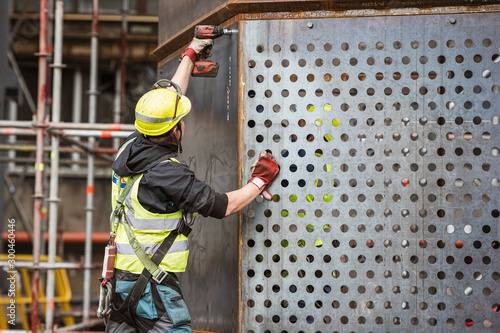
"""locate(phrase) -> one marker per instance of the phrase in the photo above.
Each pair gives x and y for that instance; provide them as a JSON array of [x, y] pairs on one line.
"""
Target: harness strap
[[132, 300], [117, 214], [153, 269], [151, 265], [157, 273]]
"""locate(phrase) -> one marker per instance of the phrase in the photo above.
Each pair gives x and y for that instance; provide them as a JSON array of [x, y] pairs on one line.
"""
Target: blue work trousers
[[161, 309]]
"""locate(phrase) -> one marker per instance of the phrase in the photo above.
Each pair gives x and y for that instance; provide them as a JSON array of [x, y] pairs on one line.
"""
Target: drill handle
[[206, 52]]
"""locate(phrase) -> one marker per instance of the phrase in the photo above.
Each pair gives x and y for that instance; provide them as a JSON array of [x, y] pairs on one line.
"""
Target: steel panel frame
[[392, 281]]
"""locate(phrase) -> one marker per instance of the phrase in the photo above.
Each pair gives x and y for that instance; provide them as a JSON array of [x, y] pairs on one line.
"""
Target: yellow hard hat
[[160, 109]]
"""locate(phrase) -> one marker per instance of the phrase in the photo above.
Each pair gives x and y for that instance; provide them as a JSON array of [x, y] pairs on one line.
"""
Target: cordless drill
[[202, 67]]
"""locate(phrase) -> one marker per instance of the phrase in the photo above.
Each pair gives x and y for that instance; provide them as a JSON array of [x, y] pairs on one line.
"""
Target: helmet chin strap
[[178, 142]]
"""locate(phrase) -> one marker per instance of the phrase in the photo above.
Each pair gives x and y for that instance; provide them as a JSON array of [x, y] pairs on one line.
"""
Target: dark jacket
[[167, 187]]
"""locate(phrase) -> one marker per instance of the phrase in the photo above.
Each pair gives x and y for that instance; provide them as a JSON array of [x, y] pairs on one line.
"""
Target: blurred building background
[[19, 81]]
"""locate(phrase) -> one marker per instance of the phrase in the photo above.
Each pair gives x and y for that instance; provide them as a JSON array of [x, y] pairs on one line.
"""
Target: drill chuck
[[230, 31]]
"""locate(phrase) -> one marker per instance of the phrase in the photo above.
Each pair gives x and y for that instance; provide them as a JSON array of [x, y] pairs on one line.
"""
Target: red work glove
[[195, 47], [265, 193], [263, 172]]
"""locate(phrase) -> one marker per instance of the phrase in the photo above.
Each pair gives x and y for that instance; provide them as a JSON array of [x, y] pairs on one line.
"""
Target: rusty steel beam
[[62, 149], [88, 17], [89, 208], [68, 126], [23, 237], [40, 119], [29, 160], [263, 9]]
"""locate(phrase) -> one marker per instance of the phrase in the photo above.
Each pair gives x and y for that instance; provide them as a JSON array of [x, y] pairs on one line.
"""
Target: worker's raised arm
[[263, 172], [183, 72]]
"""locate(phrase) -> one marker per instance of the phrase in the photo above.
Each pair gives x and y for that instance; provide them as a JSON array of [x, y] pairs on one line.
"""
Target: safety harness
[[151, 265]]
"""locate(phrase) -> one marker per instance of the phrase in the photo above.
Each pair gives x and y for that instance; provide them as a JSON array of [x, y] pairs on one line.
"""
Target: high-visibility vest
[[150, 229]]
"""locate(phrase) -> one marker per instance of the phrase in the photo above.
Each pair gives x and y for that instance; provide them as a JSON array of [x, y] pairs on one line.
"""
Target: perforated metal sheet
[[385, 214]]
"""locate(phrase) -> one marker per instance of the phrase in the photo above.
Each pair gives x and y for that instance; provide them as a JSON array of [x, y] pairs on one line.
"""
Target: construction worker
[[154, 197]]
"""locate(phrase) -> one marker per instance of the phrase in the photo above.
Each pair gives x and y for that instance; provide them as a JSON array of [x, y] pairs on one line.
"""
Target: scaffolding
[[41, 127]]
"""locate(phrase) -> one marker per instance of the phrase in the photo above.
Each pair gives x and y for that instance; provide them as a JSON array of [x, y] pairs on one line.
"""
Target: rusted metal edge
[[372, 13], [241, 168], [237, 10]]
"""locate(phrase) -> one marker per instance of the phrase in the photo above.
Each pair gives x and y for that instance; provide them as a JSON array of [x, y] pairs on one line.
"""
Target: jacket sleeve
[[171, 186]]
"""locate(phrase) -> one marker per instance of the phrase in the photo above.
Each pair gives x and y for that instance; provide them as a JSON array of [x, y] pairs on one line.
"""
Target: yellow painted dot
[[318, 243], [328, 167], [318, 122], [327, 107], [284, 213], [310, 198], [336, 122], [327, 137], [310, 108], [327, 197], [293, 198]]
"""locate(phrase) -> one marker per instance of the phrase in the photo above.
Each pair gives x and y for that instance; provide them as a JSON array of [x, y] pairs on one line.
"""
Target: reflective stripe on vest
[[117, 182], [150, 249], [150, 229]]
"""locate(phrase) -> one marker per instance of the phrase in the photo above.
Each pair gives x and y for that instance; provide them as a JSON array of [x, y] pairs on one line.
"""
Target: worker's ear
[[176, 132]]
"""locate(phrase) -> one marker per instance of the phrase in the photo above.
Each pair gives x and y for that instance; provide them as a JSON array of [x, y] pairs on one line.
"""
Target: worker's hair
[[167, 137]]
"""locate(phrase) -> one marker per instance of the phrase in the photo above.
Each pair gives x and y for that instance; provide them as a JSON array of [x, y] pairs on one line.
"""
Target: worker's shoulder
[[171, 166]]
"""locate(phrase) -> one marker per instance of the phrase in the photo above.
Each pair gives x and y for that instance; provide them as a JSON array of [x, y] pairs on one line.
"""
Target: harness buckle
[[160, 276], [182, 228], [111, 238], [119, 212]]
